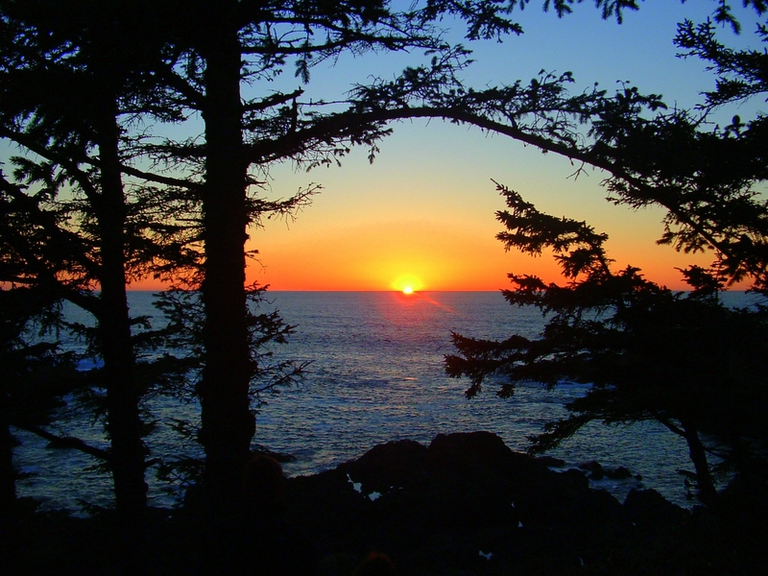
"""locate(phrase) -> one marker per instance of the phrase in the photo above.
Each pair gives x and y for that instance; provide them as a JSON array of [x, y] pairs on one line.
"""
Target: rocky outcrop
[[466, 504]]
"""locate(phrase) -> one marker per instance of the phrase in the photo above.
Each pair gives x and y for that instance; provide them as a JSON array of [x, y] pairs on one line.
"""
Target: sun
[[407, 284]]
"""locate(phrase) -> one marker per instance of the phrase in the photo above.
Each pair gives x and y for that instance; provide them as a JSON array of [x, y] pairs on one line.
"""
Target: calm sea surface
[[376, 375]]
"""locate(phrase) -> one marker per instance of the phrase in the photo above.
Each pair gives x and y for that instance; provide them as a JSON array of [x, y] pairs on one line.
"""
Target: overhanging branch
[[64, 442]]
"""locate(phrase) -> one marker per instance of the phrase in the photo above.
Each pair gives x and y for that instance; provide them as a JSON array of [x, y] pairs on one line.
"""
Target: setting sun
[[407, 284]]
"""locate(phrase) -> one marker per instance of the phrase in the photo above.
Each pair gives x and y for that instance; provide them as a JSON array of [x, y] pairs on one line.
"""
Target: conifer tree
[[67, 86], [231, 49], [685, 360]]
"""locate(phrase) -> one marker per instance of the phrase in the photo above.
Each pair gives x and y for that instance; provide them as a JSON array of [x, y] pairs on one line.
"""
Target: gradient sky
[[424, 212]]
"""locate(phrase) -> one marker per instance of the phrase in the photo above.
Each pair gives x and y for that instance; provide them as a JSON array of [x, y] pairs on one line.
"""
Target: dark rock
[[745, 491], [594, 468], [590, 466], [551, 461], [282, 457], [648, 506], [437, 508], [620, 473]]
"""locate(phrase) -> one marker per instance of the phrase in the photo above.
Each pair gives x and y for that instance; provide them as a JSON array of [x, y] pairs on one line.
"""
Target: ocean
[[375, 374]]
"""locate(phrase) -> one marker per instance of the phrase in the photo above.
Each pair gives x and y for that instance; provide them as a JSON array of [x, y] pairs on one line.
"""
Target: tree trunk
[[124, 423], [704, 482], [7, 472], [227, 422]]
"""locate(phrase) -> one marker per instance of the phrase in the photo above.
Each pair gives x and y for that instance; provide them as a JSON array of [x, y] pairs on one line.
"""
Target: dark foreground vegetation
[[464, 505]]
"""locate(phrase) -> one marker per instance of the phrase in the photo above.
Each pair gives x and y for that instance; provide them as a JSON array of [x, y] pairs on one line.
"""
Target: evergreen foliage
[[686, 360], [76, 230]]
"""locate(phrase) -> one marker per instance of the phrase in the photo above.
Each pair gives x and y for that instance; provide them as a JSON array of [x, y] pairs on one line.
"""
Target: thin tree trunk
[[227, 423], [7, 472], [704, 482], [124, 423]]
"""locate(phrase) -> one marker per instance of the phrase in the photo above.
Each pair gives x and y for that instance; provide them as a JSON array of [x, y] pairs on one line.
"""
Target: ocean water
[[375, 375]]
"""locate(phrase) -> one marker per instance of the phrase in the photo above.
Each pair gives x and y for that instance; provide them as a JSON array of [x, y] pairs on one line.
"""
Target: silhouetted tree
[[685, 360], [67, 87], [233, 49], [185, 312], [98, 224]]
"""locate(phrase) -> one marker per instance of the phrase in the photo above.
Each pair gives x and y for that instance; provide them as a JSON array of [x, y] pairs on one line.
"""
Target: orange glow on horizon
[[407, 284], [149, 284], [493, 281], [426, 257], [486, 275]]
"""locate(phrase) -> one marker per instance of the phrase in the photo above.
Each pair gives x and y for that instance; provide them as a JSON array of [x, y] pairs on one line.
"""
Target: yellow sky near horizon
[[373, 224]]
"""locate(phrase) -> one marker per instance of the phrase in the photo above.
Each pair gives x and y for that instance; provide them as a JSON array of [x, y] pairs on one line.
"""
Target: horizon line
[[335, 290], [390, 290]]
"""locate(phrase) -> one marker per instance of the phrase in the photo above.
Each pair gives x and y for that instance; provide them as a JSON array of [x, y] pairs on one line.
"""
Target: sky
[[423, 214]]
